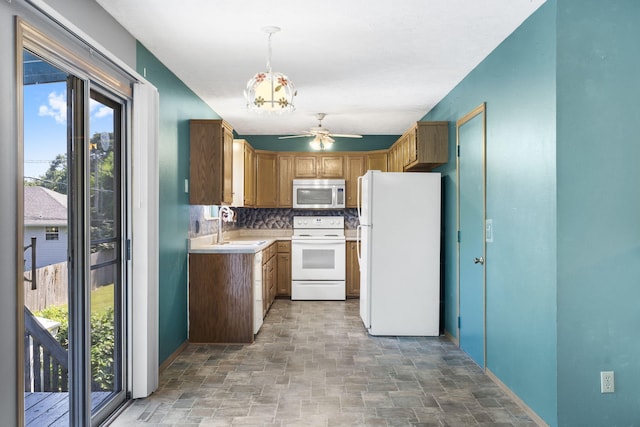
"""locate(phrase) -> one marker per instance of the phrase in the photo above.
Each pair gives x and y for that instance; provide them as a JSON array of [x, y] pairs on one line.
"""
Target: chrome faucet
[[225, 214]]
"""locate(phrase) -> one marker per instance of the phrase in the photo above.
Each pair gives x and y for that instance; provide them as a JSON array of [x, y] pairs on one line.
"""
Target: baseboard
[[536, 419], [164, 365], [451, 338]]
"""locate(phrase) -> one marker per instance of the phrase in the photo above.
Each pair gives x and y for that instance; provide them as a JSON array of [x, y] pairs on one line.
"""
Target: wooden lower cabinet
[[284, 269], [221, 298], [269, 276], [352, 270]]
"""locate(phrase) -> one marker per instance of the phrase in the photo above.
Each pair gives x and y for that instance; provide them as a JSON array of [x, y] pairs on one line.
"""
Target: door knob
[[478, 260]]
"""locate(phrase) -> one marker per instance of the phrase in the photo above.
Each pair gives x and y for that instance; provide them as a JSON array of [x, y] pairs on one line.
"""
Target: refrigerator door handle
[[358, 244], [358, 193]]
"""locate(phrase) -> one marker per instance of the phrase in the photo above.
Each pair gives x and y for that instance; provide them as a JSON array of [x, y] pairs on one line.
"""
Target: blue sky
[[45, 125]]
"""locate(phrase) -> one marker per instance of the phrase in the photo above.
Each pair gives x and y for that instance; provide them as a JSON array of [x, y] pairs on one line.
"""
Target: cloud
[[103, 112], [98, 110], [57, 108]]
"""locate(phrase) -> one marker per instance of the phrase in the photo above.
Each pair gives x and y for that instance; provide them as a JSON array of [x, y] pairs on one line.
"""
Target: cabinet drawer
[[284, 246]]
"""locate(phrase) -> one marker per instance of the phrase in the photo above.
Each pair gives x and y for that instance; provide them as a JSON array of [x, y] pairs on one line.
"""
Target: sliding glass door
[[74, 234]]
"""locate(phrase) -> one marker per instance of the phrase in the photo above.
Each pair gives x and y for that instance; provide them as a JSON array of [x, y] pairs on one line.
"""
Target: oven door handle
[[317, 242]]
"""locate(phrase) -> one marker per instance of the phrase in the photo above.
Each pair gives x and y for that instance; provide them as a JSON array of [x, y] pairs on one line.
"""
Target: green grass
[[102, 298]]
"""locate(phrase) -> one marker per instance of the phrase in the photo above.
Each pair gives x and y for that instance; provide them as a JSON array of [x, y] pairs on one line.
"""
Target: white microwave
[[318, 193]]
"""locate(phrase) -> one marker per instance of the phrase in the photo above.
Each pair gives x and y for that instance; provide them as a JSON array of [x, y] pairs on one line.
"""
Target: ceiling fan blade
[[295, 136], [340, 135], [327, 139]]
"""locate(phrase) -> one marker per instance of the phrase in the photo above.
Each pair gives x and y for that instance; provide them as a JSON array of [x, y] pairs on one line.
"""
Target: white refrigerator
[[399, 256]]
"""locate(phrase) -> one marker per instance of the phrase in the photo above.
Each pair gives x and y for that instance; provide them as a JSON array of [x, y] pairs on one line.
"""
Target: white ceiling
[[373, 66]]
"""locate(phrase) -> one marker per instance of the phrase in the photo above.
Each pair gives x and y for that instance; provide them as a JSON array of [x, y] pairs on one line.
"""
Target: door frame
[[481, 109], [96, 75]]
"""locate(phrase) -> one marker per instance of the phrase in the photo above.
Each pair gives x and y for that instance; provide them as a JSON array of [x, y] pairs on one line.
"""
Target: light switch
[[489, 231]]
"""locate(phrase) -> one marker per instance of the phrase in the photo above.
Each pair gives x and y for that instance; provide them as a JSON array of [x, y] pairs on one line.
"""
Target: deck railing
[[46, 362]]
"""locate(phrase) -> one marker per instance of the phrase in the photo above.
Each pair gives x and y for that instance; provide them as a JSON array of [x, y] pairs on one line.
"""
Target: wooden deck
[[52, 409]]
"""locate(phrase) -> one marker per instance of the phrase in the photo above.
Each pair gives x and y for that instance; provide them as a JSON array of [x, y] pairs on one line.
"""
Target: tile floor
[[313, 364]]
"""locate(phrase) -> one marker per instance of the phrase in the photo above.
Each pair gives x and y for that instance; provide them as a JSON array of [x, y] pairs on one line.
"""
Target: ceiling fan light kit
[[270, 92], [322, 138]]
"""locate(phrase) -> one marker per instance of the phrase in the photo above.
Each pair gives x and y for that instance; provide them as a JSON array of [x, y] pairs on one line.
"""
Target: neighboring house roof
[[44, 207]]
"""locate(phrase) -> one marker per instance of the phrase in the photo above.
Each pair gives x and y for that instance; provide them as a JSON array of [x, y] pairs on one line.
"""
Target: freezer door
[[364, 198], [365, 282]]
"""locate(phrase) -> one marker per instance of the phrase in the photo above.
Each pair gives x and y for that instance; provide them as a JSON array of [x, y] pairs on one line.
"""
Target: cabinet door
[[273, 273], [249, 176], [227, 165], [206, 168], [393, 151], [432, 143], [377, 161], [266, 175], [331, 166], [355, 168], [305, 167], [265, 288], [284, 268], [285, 181], [352, 270], [410, 148]]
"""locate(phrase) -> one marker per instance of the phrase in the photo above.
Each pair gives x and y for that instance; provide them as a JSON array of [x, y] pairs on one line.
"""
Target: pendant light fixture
[[268, 91]]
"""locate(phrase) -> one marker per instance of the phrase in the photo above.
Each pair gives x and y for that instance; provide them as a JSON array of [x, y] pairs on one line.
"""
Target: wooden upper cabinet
[[285, 181], [266, 177], [210, 162], [355, 168], [428, 146], [318, 166], [377, 161], [331, 166], [305, 166], [244, 174], [249, 175]]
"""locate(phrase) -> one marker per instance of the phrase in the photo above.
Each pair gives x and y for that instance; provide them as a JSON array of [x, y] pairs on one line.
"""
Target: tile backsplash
[[274, 219]]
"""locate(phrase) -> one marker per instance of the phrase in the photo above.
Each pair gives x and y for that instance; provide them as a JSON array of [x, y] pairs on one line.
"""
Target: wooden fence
[[52, 282]]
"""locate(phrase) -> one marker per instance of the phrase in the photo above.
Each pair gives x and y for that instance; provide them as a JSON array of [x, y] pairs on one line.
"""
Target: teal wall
[[367, 142], [517, 82], [563, 299], [178, 104], [598, 211]]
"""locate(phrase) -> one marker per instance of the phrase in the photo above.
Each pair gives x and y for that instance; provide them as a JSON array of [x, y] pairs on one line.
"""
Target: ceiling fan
[[322, 138]]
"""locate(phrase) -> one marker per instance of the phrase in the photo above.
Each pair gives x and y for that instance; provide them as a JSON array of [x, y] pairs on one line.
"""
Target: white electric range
[[318, 258]]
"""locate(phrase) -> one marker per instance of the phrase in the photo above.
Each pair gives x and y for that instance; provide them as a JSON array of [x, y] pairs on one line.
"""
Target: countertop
[[244, 241]]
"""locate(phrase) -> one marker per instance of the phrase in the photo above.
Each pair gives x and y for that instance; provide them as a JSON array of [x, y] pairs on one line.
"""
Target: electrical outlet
[[607, 384]]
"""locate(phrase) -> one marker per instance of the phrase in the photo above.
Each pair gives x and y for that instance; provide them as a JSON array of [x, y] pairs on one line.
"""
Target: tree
[[55, 178], [102, 183]]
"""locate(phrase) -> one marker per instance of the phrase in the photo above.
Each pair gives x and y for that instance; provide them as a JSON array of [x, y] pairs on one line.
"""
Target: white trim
[[144, 247], [84, 37]]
